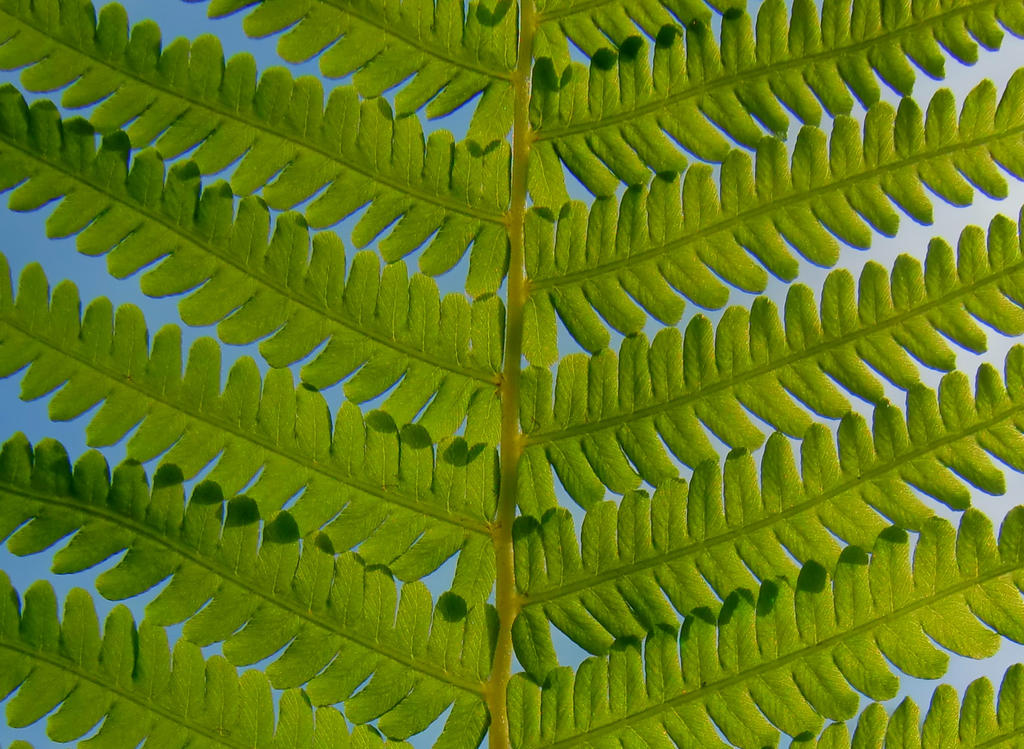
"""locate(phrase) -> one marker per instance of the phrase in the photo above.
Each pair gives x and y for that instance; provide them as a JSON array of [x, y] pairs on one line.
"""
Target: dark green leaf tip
[[242, 511], [208, 493], [853, 555], [732, 602], [323, 542], [893, 535], [767, 597], [416, 436], [623, 644], [380, 421], [457, 453], [604, 59], [185, 170], [79, 126], [461, 453], [491, 18], [282, 529], [167, 475], [630, 48], [452, 607], [705, 614], [523, 526], [812, 578], [117, 141], [545, 77], [666, 36]]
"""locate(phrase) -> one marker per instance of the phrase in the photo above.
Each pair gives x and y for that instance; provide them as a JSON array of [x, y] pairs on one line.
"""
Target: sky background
[[22, 240]]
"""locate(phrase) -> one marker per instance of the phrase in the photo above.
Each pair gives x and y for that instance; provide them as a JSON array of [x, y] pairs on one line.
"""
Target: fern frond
[[793, 655], [435, 55], [592, 25], [644, 559], [349, 153], [644, 254], [128, 679], [624, 115], [253, 281], [976, 722], [336, 620], [608, 412], [363, 480]]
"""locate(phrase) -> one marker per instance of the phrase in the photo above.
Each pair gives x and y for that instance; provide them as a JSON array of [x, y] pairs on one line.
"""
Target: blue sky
[[22, 240]]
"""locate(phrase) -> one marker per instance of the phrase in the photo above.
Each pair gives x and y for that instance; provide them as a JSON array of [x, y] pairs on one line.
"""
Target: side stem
[[507, 599]]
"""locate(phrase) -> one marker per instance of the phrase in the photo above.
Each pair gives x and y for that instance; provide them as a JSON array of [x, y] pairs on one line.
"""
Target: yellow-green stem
[[506, 598]]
